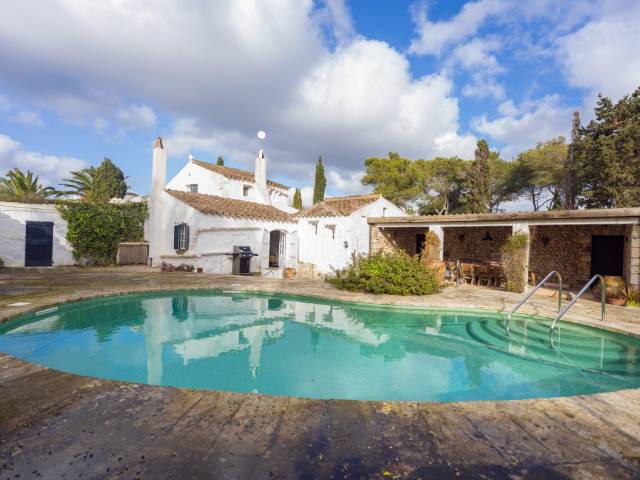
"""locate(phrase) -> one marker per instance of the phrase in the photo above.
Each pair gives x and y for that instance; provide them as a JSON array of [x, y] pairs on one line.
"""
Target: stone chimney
[[261, 178]]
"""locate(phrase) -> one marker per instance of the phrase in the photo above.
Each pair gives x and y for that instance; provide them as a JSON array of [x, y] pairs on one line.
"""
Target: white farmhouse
[[205, 210]]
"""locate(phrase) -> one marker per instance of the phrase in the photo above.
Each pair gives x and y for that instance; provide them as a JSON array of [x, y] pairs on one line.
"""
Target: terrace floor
[[56, 425]]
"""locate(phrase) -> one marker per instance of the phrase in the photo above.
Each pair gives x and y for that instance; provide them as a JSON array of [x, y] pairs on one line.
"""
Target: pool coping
[[616, 428]]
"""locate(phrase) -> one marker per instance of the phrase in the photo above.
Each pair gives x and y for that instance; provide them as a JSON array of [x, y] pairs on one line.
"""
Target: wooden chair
[[497, 276], [466, 272], [481, 274]]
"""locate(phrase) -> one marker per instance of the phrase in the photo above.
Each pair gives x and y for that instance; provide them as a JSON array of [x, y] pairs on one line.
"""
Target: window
[[193, 187], [181, 237], [245, 190]]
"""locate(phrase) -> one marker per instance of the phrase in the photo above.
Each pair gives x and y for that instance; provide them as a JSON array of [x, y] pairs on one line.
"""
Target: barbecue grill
[[242, 260]]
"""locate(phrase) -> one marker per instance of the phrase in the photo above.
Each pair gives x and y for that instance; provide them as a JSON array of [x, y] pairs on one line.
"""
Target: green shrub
[[514, 261], [94, 230], [395, 274]]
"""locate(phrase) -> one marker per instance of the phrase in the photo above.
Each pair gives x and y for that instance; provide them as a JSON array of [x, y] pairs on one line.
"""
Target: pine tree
[[109, 182], [297, 199], [320, 183], [220, 161], [479, 180]]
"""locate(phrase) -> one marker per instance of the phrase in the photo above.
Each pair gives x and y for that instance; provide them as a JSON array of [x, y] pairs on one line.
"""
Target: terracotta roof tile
[[235, 173], [230, 207], [339, 206]]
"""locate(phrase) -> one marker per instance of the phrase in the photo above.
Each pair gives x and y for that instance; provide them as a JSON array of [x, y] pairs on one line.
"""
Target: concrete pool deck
[[56, 425]]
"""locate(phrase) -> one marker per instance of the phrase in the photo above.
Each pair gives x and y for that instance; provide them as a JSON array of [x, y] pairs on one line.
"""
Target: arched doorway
[[277, 248]]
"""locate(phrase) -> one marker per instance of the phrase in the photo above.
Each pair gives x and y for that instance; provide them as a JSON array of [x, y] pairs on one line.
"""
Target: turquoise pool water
[[304, 347]]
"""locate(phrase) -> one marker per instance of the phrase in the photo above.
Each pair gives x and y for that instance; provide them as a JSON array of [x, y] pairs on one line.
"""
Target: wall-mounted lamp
[[487, 237], [545, 241]]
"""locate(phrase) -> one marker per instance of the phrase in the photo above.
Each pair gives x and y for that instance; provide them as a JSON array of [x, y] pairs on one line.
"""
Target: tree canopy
[[537, 174], [80, 184], [220, 161], [108, 182], [607, 155], [18, 186]]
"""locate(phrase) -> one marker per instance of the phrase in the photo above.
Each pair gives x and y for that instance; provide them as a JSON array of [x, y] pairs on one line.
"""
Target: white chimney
[[159, 167], [156, 204], [261, 178]]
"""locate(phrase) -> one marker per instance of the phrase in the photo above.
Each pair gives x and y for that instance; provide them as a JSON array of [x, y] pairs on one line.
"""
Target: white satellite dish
[[262, 135]]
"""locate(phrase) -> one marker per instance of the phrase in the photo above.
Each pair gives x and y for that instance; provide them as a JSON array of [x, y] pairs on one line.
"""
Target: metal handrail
[[528, 296], [578, 295]]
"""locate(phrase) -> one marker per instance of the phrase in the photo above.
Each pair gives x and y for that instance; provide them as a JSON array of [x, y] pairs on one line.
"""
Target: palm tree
[[20, 187], [81, 183]]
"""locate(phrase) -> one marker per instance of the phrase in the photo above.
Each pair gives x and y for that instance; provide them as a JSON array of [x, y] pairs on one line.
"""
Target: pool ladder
[[578, 295], [529, 295]]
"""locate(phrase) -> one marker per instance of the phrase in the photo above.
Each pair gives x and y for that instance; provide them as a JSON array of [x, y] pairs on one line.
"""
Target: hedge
[[94, 230]]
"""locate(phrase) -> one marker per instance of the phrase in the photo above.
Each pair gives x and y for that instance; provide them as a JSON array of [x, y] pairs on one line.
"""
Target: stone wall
[[390, 239], [632, 255], [477, 244], [567, 250]]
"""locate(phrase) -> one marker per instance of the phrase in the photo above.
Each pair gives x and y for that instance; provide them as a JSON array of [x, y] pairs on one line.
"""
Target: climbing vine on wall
[[94, 230], [514, 260]]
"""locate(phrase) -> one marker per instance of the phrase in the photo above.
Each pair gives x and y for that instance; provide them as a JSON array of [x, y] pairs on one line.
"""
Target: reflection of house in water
[[201, 327]]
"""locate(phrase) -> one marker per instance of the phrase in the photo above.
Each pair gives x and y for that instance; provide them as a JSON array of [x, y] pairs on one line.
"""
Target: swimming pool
[[297, 346]]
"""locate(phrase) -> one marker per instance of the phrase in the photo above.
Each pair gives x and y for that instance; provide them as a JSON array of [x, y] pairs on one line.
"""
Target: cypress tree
[[570, 182], [109, 182], [479, 182], [320, 183], [220, 161], [297, 199]]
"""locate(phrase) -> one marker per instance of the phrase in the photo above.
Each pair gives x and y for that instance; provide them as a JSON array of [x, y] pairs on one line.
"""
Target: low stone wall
[[567, 249], [474, 243]]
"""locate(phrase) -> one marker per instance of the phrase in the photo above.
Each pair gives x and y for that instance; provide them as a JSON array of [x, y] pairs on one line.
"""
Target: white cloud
[[523, 127], [224, 71], [435, 37], [347, 182], [602, 56], [136, 117], [50, 168], [27, 117]]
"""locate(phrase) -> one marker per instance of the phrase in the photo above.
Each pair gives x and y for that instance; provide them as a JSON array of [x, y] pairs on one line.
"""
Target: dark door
[[39, 244], [420, 239], [607, 252]]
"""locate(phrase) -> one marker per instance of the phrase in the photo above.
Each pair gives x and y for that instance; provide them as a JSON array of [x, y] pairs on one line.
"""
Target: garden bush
[[395, 274], [94, 230], [514, 260]]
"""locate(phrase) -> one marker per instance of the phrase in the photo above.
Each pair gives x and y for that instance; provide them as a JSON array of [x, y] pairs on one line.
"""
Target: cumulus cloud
[[434, 37], [602, 55], [521, 127], [50, 168], [224, 71]]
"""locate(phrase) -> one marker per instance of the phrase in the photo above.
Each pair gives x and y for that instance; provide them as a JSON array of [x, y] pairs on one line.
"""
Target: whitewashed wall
[[211, 237], [13, 218], [327, 251], [212, 183]]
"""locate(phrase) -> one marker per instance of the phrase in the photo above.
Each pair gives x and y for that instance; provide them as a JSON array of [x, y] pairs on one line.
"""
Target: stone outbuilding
[[576, 243]]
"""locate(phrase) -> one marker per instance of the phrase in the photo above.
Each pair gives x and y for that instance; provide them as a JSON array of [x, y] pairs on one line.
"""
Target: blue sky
[[345, 80]]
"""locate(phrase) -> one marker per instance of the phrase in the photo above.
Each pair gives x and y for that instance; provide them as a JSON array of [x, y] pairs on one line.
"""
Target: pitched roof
[[230, 207], [339, 206], [235, 173]]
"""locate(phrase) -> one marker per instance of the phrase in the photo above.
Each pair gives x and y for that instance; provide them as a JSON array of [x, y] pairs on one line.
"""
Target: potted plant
[[632, 297]]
